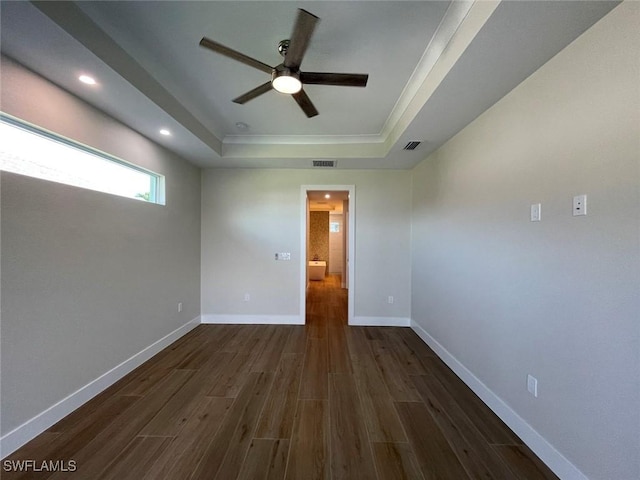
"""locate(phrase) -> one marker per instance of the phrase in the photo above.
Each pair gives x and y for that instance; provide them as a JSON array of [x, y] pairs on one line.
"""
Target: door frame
[[351, 246]]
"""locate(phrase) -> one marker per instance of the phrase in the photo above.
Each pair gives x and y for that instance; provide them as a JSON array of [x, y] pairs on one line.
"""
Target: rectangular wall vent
[[411, 145], [325, 163]]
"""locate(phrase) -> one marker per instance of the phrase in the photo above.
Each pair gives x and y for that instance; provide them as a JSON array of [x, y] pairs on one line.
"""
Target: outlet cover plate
[[579, 205], [532, 385]]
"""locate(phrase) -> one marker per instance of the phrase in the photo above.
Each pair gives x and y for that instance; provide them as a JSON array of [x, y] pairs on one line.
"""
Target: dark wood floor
[[288, 402]]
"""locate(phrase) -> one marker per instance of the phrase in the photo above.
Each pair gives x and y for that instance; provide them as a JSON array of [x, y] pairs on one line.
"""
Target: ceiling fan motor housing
[[283, 46]]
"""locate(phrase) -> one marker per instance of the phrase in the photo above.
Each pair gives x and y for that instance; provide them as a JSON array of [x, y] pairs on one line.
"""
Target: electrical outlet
[[390, 299], [532, 385], [579, 205], [283, 256], [536, 212], [247, 297]]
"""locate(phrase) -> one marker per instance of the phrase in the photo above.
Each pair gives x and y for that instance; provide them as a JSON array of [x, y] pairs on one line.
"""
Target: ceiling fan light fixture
[[286, 81]]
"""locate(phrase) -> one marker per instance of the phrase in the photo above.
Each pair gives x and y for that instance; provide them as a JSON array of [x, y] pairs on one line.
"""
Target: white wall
[[88, 279], [248, 215], [504, 297]]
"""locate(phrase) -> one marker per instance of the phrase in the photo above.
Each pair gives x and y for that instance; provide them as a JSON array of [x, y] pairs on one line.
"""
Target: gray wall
[[248, 215], [557, 299], [88, 279]]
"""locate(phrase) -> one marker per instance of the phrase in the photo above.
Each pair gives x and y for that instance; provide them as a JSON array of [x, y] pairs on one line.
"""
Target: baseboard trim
[[381, 322], [253, 319], [17, 437], [540, 446]]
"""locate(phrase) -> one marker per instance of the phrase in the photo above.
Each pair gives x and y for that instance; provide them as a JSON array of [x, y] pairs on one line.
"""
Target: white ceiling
[[433, 67], [319, 202]]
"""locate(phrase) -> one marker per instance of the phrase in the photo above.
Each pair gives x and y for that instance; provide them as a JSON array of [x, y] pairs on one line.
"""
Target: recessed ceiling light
[[327, 196], [165, 132], [87, 79]]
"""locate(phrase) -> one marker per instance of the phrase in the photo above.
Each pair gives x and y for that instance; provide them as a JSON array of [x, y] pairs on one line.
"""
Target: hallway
[[326, 303]]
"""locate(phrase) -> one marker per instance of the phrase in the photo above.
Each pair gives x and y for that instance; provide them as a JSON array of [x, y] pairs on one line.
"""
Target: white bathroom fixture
[[317, 270]]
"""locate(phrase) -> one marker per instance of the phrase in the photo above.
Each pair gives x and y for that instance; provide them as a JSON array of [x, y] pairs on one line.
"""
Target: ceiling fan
[[287, 77]]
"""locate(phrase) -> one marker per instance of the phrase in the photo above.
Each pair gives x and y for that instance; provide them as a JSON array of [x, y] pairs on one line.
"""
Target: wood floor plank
[[266, 460], [136, 459], [276, 420], [413, 342], [80, 415], [476, 455], [408, 359], [374, 333], [231, 375], [297, 341], [197, 358], [315, 379], [487, 422], [68, 444], [241, 439], [218, 337], [339, 361], [223, 458], [179, 351], [523, 463], [396, 461], [317, 329], [254, 343], [144, 379], [106, 446], [239, 337], [78, 432], [436, 458], [189, 446], [309, 450], [351, 456], [395, 377], [357, 341], [269, 357], [176, 412], [380, 416]]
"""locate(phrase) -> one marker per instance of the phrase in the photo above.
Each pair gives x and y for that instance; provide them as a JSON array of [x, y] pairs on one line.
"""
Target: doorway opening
[[327, 246]]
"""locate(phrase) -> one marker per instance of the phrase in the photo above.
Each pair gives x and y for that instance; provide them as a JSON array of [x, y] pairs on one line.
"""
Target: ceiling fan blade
[[251, 94], [240, 57], [305, 103], [302, 31], [338, 79]]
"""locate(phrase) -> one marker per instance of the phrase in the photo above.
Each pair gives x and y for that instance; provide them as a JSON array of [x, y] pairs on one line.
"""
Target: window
[[29, 150]]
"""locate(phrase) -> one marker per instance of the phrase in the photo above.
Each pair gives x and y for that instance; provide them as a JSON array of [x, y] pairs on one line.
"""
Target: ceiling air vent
[[411, 145], [325, 163]]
